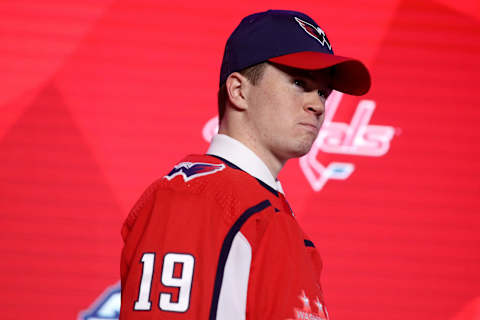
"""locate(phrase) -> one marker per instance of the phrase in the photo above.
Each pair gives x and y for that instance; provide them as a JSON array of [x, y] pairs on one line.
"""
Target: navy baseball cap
[[292, 39]]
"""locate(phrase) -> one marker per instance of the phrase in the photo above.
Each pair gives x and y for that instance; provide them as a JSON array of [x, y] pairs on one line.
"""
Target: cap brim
[[350, 76]]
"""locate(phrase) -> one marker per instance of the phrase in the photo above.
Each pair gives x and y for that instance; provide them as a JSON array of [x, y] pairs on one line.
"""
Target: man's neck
[[273, 164]]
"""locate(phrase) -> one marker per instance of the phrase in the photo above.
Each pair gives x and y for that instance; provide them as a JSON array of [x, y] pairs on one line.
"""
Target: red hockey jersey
[[210, 241]]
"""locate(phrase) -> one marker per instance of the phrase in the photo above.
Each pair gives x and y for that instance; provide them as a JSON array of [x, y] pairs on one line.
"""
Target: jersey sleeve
[[202, 255], [284, 279], [169, 260]]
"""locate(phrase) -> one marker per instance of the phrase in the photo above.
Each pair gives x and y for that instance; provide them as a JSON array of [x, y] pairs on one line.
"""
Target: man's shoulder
[[207, 173], [214, 179], [204, 182], [197, 170]]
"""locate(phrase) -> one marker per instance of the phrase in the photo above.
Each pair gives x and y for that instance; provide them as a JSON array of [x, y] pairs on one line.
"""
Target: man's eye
[[299, 83], [323, 93]]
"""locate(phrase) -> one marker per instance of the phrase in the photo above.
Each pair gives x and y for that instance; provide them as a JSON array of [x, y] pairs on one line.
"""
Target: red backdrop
[[100, 97]]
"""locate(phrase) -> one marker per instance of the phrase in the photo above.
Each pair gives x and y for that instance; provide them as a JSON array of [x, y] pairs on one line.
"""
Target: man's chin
[[301, 150]]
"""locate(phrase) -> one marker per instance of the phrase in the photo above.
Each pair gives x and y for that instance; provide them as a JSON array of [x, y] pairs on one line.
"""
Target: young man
[[215, 238]]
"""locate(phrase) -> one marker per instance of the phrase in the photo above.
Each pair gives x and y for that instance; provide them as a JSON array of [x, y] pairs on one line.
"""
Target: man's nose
[[314, 103]]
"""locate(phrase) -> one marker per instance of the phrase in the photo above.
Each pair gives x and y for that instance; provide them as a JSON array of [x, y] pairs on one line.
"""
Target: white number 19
[[182, 282]]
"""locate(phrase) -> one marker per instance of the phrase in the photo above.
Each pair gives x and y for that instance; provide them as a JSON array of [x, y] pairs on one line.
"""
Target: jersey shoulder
[[214, 176], [206, 181]]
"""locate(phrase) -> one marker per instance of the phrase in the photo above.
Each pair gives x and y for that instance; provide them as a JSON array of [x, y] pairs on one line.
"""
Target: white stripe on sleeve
[[232, 302]]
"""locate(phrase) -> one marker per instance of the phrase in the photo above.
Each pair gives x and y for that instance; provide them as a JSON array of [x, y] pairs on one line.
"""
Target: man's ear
[[237, 87]]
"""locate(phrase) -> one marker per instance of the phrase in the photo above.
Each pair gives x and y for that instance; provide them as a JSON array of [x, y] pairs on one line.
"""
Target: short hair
[[253, 74]]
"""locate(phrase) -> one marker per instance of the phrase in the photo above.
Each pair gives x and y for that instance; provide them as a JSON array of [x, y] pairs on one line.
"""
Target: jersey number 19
[[183, 282]]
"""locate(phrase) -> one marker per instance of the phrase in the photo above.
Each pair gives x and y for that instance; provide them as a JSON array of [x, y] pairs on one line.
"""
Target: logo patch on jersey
[[314, 32], [192, 170], [106, 307], [307, 312]]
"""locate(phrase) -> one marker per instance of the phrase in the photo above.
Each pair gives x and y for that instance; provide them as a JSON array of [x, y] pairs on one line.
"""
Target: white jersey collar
[[240, 155]]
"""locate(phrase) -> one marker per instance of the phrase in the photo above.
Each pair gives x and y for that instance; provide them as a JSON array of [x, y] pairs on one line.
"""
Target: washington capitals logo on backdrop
[[357, 138], [314, 32], [106, 307], [192, 170]]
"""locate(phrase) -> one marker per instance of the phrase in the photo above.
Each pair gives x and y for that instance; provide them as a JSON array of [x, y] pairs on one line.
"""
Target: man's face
[[287, 108]]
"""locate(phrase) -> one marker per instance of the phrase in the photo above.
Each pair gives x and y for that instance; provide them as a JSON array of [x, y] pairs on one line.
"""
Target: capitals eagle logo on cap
[[314, 32]]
